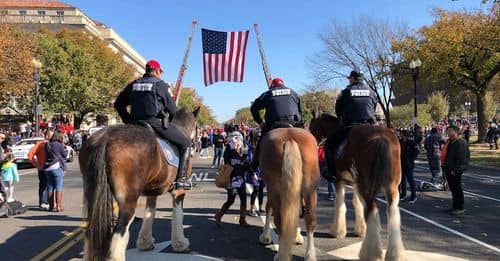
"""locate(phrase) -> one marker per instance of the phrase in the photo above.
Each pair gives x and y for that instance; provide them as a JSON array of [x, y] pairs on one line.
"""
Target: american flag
[[223, 55]]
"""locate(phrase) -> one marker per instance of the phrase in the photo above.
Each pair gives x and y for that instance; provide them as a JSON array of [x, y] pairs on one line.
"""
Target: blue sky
[[159, 29]]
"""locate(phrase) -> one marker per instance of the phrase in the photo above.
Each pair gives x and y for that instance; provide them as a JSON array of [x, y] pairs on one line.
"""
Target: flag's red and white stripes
[[228, 66]]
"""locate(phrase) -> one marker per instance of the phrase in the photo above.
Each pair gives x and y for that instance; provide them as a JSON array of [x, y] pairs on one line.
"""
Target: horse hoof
[[265, 240], [181, 247], [147, 248], [299, 240]]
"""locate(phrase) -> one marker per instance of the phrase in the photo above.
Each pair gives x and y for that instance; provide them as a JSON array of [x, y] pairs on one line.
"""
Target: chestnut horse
[[121, 163], [289, 165], [370, 162]]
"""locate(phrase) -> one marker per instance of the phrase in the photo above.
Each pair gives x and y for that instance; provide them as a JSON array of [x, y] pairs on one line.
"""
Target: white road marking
[[350, 252], [467, 174], [434, 223], [155, 254]]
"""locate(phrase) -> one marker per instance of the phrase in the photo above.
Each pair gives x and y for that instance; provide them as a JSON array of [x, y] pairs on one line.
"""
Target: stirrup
[[183, 184]]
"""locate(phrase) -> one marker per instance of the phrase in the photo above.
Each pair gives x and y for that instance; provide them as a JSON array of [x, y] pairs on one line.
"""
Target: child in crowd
[[9, 175]]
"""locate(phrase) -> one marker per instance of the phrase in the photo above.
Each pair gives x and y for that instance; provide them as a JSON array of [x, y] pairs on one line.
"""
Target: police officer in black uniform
[[151, 102], [282, 106], [355, 105]]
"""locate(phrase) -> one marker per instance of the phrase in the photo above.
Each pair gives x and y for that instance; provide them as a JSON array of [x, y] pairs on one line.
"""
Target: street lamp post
[[36, 78], [467, 106], [414, 66]]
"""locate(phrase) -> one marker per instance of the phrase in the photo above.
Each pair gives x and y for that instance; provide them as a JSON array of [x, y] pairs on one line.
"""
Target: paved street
[[428, 232]]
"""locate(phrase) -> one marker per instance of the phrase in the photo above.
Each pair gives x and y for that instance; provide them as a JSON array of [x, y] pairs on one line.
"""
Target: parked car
[[22, 147]]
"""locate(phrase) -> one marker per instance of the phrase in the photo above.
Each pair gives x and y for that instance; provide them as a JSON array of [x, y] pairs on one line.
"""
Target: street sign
[[39, 109]]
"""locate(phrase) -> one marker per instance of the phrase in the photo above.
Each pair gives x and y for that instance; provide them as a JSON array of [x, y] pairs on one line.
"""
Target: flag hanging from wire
[[223, 55]]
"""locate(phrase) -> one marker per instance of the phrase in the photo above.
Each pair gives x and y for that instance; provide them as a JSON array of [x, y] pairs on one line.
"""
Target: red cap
[[277, 81], [154, 64]]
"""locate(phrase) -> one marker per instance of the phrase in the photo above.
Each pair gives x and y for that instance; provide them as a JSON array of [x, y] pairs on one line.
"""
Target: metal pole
[[177, 89], [265, 67], [37, 95], [415, 77]]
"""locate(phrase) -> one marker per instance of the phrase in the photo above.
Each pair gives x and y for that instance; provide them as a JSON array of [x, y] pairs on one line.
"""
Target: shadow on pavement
[[39, 238], [51, 217]]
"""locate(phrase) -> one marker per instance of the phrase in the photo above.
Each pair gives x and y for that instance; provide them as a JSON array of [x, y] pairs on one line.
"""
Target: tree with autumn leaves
[[462, 48], [16, 66], [80, 74]]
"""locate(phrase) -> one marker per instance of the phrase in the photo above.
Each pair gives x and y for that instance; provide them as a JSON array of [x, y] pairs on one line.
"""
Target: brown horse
[[370, 163], [289, 165], [122, 163]]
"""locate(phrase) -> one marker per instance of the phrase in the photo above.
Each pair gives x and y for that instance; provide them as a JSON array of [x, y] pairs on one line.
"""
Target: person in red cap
[[150, 102], [282, 106]]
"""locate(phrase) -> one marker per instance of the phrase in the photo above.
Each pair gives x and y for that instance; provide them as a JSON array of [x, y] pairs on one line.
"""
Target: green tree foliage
[[463, 48], [439, 106], [190, 99], [16, 66], [490, 106], [402, 116], [319, 101], [245, 115], [80, 74]]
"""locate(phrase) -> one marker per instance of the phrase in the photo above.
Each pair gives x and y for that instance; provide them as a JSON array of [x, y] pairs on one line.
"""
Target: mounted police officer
[[355, 105], [151, 103], [283, 109]]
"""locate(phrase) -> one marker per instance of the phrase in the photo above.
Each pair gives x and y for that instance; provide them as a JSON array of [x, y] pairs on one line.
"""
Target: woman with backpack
[[54, 169]]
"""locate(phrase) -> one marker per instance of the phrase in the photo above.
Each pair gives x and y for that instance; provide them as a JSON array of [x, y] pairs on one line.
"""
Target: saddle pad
[[340, 149], [170, 151]]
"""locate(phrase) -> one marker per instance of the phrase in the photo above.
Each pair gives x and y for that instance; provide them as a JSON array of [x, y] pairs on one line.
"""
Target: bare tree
[[365, 44]]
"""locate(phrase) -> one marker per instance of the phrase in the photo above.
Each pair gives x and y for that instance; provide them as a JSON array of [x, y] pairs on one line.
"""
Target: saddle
[[170, 151]]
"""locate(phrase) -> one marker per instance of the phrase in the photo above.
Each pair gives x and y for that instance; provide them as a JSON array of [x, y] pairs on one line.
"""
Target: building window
[[4, 12], [22, 12], [60, 13], [41, 13]]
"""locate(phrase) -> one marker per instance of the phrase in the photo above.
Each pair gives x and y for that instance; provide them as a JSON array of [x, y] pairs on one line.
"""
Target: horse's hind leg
[[395, 248], [179, 242], [146, 240], [338, 228], [265, 237], [360, 226], [120, 237], [371, 249], [310, 218]]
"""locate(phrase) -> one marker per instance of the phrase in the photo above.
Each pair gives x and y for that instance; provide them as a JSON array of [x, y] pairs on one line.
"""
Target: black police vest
[[144, 101], [359, 104], [281, 105]]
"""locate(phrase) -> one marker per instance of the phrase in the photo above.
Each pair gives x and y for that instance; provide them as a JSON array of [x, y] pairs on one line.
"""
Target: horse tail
[[291, 179], [98, 198], [381, 165]]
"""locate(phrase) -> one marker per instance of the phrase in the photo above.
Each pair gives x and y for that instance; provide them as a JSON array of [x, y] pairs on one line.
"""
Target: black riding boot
[[255, 160], [330, 148], [182, 181]]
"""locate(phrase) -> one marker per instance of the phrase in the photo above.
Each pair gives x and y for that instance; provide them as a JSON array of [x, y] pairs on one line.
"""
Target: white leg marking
[[179, 242], [311, 250], [265, 237], [338, 227], [146, 240], [371, 249], [360, 226], [119, 244], [395, 247], [299, 239]]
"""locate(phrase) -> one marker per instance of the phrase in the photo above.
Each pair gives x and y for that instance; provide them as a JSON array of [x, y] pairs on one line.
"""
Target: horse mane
[[183, 117], [329, 118]]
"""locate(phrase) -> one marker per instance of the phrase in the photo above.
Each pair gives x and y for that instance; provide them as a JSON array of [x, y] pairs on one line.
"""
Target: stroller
[[429, 186]]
